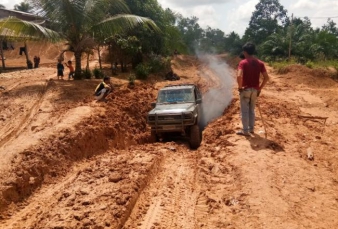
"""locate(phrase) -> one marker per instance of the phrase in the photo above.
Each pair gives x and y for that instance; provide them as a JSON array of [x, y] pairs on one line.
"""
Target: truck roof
[[179, 86]]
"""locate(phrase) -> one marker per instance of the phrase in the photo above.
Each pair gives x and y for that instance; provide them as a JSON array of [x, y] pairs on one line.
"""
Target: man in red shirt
[[249, 87]]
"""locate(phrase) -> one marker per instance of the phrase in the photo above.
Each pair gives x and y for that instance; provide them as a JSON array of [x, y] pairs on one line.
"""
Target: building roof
[[4, 13]]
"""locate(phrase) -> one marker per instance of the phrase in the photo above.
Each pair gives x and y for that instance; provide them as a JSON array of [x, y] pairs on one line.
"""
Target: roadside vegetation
[[284, 39], [138, 34], [142, 35]]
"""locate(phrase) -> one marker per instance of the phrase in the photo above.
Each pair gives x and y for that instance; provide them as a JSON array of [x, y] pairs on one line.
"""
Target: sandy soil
[[69, 162]]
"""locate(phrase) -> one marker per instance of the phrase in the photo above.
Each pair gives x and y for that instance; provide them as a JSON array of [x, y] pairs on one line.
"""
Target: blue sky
[[234, 15]]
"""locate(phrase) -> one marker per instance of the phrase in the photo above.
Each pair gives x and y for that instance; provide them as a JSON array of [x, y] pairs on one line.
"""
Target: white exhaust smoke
[[219, 77]]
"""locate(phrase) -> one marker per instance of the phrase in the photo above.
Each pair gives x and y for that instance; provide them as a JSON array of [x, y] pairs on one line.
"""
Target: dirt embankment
[[94, 171], [47, 125]]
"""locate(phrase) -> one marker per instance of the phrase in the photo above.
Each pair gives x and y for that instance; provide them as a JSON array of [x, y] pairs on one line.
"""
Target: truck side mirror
[[198, 101], [153, 105]]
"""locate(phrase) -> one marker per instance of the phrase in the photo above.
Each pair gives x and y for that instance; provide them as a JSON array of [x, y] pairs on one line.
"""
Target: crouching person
[[103, 89]]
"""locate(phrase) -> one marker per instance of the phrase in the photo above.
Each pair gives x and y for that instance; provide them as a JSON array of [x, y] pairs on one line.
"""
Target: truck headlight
[[188, 116]]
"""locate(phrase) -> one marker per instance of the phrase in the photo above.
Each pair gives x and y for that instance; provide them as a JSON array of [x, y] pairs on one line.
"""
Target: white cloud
[[207, 16], [303, 4], [9, 4], [317, 10], [191, 3], [239, 17]]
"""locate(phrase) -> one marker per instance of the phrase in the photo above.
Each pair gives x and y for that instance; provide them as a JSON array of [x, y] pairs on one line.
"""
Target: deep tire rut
[[170, 198]]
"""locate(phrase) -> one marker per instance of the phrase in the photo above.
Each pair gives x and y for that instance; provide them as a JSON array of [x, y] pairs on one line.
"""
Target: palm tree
[[276, 45], [24, 7], [80, 20]]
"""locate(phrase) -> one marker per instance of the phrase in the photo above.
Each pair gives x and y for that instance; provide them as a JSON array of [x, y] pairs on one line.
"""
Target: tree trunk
[[78, 75], [88, 54], [28, 61], [2, 55], [100, 62], [110, 56]]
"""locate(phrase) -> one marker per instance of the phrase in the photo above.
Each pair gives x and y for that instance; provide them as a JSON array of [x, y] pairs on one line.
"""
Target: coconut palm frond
[[14, 27], [124, 22], [107, 7]]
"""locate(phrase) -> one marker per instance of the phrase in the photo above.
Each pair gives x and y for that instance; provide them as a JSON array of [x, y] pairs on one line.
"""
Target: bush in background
[[131, 79], [98, 74], [142, 71], [158, 63], [309, 64], [86, 73]]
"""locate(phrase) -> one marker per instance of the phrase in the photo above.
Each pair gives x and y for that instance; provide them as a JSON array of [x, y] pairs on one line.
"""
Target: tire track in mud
[[169, 200], [27, 118], [172, 198], [208, 75]]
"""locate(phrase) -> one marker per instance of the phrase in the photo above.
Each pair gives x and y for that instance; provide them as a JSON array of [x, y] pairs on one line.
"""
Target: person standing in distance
[[71, 70], [249, 87], [60, 69]]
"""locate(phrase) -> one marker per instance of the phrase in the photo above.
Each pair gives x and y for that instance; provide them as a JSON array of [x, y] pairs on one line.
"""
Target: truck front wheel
[[153, 137], [195, 137]]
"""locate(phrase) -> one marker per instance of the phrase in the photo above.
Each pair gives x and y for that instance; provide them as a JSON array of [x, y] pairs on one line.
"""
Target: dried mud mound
[[127, 110], [99, 193], [302, 75], [123, 123]]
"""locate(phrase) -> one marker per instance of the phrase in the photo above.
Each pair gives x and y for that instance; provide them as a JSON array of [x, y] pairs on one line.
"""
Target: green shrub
[[167, 63], [142, 71], [309, 64], [98, 74], [131, 79], [155, 63], [282, 66], [86, 73]]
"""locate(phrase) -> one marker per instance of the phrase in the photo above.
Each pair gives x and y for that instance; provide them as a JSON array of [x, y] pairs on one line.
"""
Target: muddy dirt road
[[69, 162]]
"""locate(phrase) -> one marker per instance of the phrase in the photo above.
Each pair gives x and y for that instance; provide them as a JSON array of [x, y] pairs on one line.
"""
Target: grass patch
[[281, 66], [326, 64], [330, 65]]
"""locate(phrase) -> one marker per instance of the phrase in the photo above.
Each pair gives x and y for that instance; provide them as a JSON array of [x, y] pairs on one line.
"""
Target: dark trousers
[[22, 50]]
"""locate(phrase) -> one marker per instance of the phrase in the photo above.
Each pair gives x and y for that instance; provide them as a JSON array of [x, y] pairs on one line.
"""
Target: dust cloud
[[219, 96]]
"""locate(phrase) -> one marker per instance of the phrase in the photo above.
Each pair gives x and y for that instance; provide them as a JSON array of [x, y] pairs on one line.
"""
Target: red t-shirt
[[71, 68], [252, 68]]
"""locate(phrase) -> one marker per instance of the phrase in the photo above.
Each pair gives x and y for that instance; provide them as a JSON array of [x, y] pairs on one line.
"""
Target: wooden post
[[290, 43], [28, 61], [99, 53], [2, 55]]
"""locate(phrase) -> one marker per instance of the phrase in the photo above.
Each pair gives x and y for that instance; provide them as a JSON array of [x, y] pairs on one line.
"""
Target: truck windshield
[[176, 95]]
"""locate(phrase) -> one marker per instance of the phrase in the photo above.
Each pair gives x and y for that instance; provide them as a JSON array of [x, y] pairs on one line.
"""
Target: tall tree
[[276, 46], [330, 27], [163, 43], [267, 19], [24, 7], [191, 31], [233, 43], [213, 41], [326, 45], [80, 20]]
